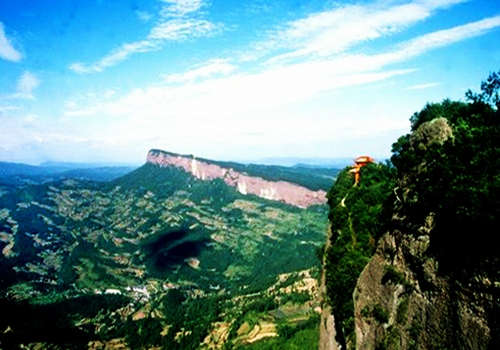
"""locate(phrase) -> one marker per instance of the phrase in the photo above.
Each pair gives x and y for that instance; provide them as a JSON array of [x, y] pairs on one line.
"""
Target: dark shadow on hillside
[[53, 323], [164, 251]]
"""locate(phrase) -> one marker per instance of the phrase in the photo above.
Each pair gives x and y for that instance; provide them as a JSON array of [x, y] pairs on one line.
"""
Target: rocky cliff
[[402, 301], [415, 292], [282, 191]]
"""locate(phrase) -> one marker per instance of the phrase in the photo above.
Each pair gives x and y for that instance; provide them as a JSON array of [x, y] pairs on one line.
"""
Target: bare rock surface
[[281, 191]]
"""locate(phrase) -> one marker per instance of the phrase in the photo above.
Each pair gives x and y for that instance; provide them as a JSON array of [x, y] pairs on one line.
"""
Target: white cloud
[[181, 7], [30, 118], [422, 86], [94, 99], [445, 37], [7, 51], [116, 56], [9, 108], [26, 84], [419, 45], [334, 31], [288, 107], [178, 21], [216, 101], [211, 68], [181, 29], [144, 15]]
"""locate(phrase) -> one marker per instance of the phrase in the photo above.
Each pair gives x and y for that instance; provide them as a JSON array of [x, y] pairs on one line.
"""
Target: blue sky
[[105, 81]]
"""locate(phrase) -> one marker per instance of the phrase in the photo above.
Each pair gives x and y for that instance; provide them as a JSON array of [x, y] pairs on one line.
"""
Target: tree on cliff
[[458, 180]]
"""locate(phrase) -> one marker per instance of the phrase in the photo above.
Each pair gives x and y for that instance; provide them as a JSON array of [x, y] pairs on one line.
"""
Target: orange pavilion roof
[[364, 159]]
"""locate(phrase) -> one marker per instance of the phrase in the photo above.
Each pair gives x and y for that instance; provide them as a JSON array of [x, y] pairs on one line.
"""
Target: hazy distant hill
[[12, 169], [18, 173], [64, 166], [331, 163]]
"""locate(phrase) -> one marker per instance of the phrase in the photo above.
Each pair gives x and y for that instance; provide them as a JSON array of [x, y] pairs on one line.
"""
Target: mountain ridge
[[234, 175]]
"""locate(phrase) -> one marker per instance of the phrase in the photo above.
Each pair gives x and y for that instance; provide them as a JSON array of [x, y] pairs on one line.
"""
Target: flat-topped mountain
[[243, 179]]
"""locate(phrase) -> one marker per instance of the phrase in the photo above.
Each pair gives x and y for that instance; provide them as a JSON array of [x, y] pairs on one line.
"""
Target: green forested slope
[[156, 257]]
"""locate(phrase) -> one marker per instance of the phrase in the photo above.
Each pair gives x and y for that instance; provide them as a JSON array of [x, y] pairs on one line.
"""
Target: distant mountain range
[[19, 173], [308, 162]]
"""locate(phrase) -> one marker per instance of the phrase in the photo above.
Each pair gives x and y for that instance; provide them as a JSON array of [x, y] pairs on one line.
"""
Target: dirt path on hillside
[[327, 324]]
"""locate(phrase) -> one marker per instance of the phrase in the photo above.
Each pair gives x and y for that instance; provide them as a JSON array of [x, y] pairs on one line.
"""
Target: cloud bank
[[178, 20], [7, 51]]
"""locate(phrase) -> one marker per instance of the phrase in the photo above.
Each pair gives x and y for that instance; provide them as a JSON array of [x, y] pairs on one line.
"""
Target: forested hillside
[[156, 258]]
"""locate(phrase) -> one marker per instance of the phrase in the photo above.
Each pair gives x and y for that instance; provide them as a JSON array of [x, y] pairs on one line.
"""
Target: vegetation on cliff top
[[313, 178], [358, 217], [458, 179]]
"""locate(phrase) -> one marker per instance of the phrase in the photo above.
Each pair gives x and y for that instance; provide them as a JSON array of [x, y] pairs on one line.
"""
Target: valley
[[159, 257]]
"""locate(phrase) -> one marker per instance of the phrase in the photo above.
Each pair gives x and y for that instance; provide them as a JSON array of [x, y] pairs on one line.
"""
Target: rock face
[[327, 331], [282, 191], [404, 299]]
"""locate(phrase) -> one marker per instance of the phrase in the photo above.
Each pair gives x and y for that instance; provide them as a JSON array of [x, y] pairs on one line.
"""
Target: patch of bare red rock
[[282, 191]]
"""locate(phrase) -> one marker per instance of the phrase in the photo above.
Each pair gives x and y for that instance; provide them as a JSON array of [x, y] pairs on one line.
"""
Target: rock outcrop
[[404, 299], [282, 191], [327, 331]]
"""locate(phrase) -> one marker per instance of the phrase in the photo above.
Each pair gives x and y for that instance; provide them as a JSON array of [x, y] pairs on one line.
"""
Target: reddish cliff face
[[282, 191]]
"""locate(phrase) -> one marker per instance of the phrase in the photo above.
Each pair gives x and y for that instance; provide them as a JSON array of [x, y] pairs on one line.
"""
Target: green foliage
[[414, 331], [392, 275], [451, 110], [195, 315], [391, 341], [299, 337], [247, 311], [358, 218], [448, 167], [291, 279], [457, 180], [402, 312], [304, 339], [295, 298], [143, 333], [377, 312], [490, 91], [74, 237], [380, 314], [366, 312]]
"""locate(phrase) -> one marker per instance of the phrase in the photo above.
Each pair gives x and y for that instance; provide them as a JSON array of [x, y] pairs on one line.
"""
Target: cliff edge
[[282, 191], [433, 280]]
